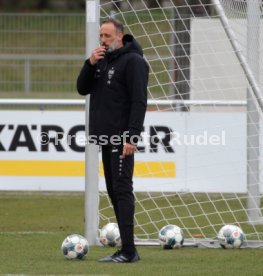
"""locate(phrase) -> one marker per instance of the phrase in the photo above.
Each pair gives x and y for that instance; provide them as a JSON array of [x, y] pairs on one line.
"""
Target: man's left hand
[[128, 149]]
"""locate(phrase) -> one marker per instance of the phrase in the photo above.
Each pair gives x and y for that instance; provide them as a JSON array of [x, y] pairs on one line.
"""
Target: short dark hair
[[118, 24]]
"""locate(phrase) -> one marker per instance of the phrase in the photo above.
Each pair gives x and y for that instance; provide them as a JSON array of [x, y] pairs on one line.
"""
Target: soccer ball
[[75, 247], [230, 236], [110, 235], [171, 236]]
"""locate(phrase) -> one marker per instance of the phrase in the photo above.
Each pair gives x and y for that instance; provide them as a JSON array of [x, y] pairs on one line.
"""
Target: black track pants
[[118, 175]]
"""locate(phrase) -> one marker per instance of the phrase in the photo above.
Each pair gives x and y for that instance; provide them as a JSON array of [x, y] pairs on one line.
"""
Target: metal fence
[[40, 53]]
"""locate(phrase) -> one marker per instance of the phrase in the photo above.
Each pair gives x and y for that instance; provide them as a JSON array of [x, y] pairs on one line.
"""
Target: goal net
[[199, 162]]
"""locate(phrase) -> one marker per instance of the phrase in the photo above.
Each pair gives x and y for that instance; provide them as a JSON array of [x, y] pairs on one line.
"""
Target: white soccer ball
[[171, 236], [75, 247], [230, 236], [110, 235]]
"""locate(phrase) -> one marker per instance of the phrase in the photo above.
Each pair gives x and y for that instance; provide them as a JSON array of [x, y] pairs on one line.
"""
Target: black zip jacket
[[118, 88]]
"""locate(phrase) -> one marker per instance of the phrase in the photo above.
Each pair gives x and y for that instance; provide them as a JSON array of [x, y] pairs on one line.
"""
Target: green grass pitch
[[33, 226]]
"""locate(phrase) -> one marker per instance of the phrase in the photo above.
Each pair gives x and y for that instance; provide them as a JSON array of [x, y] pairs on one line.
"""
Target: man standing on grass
[[116, 76]]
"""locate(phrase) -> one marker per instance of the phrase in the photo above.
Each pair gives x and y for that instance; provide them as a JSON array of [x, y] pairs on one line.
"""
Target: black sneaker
[[121, 258], [109, 258]]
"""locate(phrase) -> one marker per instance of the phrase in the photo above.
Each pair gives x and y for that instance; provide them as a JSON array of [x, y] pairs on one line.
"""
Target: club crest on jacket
[[110, 74]]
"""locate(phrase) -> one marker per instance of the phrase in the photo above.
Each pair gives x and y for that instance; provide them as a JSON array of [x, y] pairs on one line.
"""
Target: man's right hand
[[97, 54]]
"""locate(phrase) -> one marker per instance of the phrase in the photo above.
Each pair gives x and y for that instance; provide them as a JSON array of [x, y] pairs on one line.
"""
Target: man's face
[[109, 37]]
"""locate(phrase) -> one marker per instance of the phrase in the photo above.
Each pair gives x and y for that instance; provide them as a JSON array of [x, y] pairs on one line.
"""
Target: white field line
[[27, 233]]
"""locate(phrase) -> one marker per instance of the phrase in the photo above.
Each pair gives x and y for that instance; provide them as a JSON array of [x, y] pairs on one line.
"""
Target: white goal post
[[203, 55], [250, 65]]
